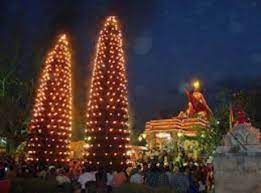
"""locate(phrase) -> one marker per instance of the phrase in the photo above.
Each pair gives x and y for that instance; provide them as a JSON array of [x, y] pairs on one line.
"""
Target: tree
[[14, 111], [223, 99], [21, 55], [51, 122], [107, 132], [15, 93], [210, 138]]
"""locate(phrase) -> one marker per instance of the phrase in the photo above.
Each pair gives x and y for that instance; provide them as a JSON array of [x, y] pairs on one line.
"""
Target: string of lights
[[51, 122], [107, 127]]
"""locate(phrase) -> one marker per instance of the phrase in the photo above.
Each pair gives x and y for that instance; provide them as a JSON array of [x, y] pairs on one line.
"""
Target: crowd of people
[[188, 178]]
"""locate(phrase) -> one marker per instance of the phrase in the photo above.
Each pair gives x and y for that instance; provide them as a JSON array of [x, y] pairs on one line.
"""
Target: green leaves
[[209, 138], [15, 102]]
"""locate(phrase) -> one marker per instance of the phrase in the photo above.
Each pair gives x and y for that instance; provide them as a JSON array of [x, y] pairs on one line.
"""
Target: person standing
[[101, 182], [152, 176], [136, 177], [64, 183], [144, 171], [179, 180], [5, 184], [119, 178], [201, 187], [87, 176], [163, 178]]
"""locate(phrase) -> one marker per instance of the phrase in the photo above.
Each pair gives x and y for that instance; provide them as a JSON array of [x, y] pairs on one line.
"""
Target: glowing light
[[163, 135], [180, 134], [196, 84], [50, 125], [107, 109]]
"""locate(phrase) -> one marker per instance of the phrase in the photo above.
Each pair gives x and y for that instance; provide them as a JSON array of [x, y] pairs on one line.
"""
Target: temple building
[[196, 116]]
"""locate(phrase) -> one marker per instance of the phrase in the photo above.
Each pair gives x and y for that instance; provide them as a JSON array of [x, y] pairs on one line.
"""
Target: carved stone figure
[[242, 135]]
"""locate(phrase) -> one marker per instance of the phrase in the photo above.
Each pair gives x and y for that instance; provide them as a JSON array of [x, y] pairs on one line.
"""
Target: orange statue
[[197, 103]]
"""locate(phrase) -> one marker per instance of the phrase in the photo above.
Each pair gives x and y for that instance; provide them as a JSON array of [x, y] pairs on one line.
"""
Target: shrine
[[186, 123], [238, 158]]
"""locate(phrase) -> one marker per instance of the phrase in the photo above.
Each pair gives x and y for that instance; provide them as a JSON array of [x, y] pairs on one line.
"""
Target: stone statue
[[242, 135]]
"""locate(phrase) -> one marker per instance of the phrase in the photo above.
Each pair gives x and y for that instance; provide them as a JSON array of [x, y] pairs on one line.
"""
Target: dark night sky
[[168, 43]]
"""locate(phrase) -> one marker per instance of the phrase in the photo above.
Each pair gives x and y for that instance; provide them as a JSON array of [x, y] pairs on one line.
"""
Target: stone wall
[[237, 172]]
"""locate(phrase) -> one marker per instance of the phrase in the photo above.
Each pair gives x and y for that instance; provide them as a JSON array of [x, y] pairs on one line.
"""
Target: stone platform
[[237, 164], [237, 172]]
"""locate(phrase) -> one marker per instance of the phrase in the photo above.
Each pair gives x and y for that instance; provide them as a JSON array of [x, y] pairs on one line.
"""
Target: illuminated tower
[[51, 122], [107, 133]]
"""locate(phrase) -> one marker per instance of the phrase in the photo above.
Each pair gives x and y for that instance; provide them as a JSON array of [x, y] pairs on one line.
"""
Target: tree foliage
[[210, 138], [16, 90], [15, 107]]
